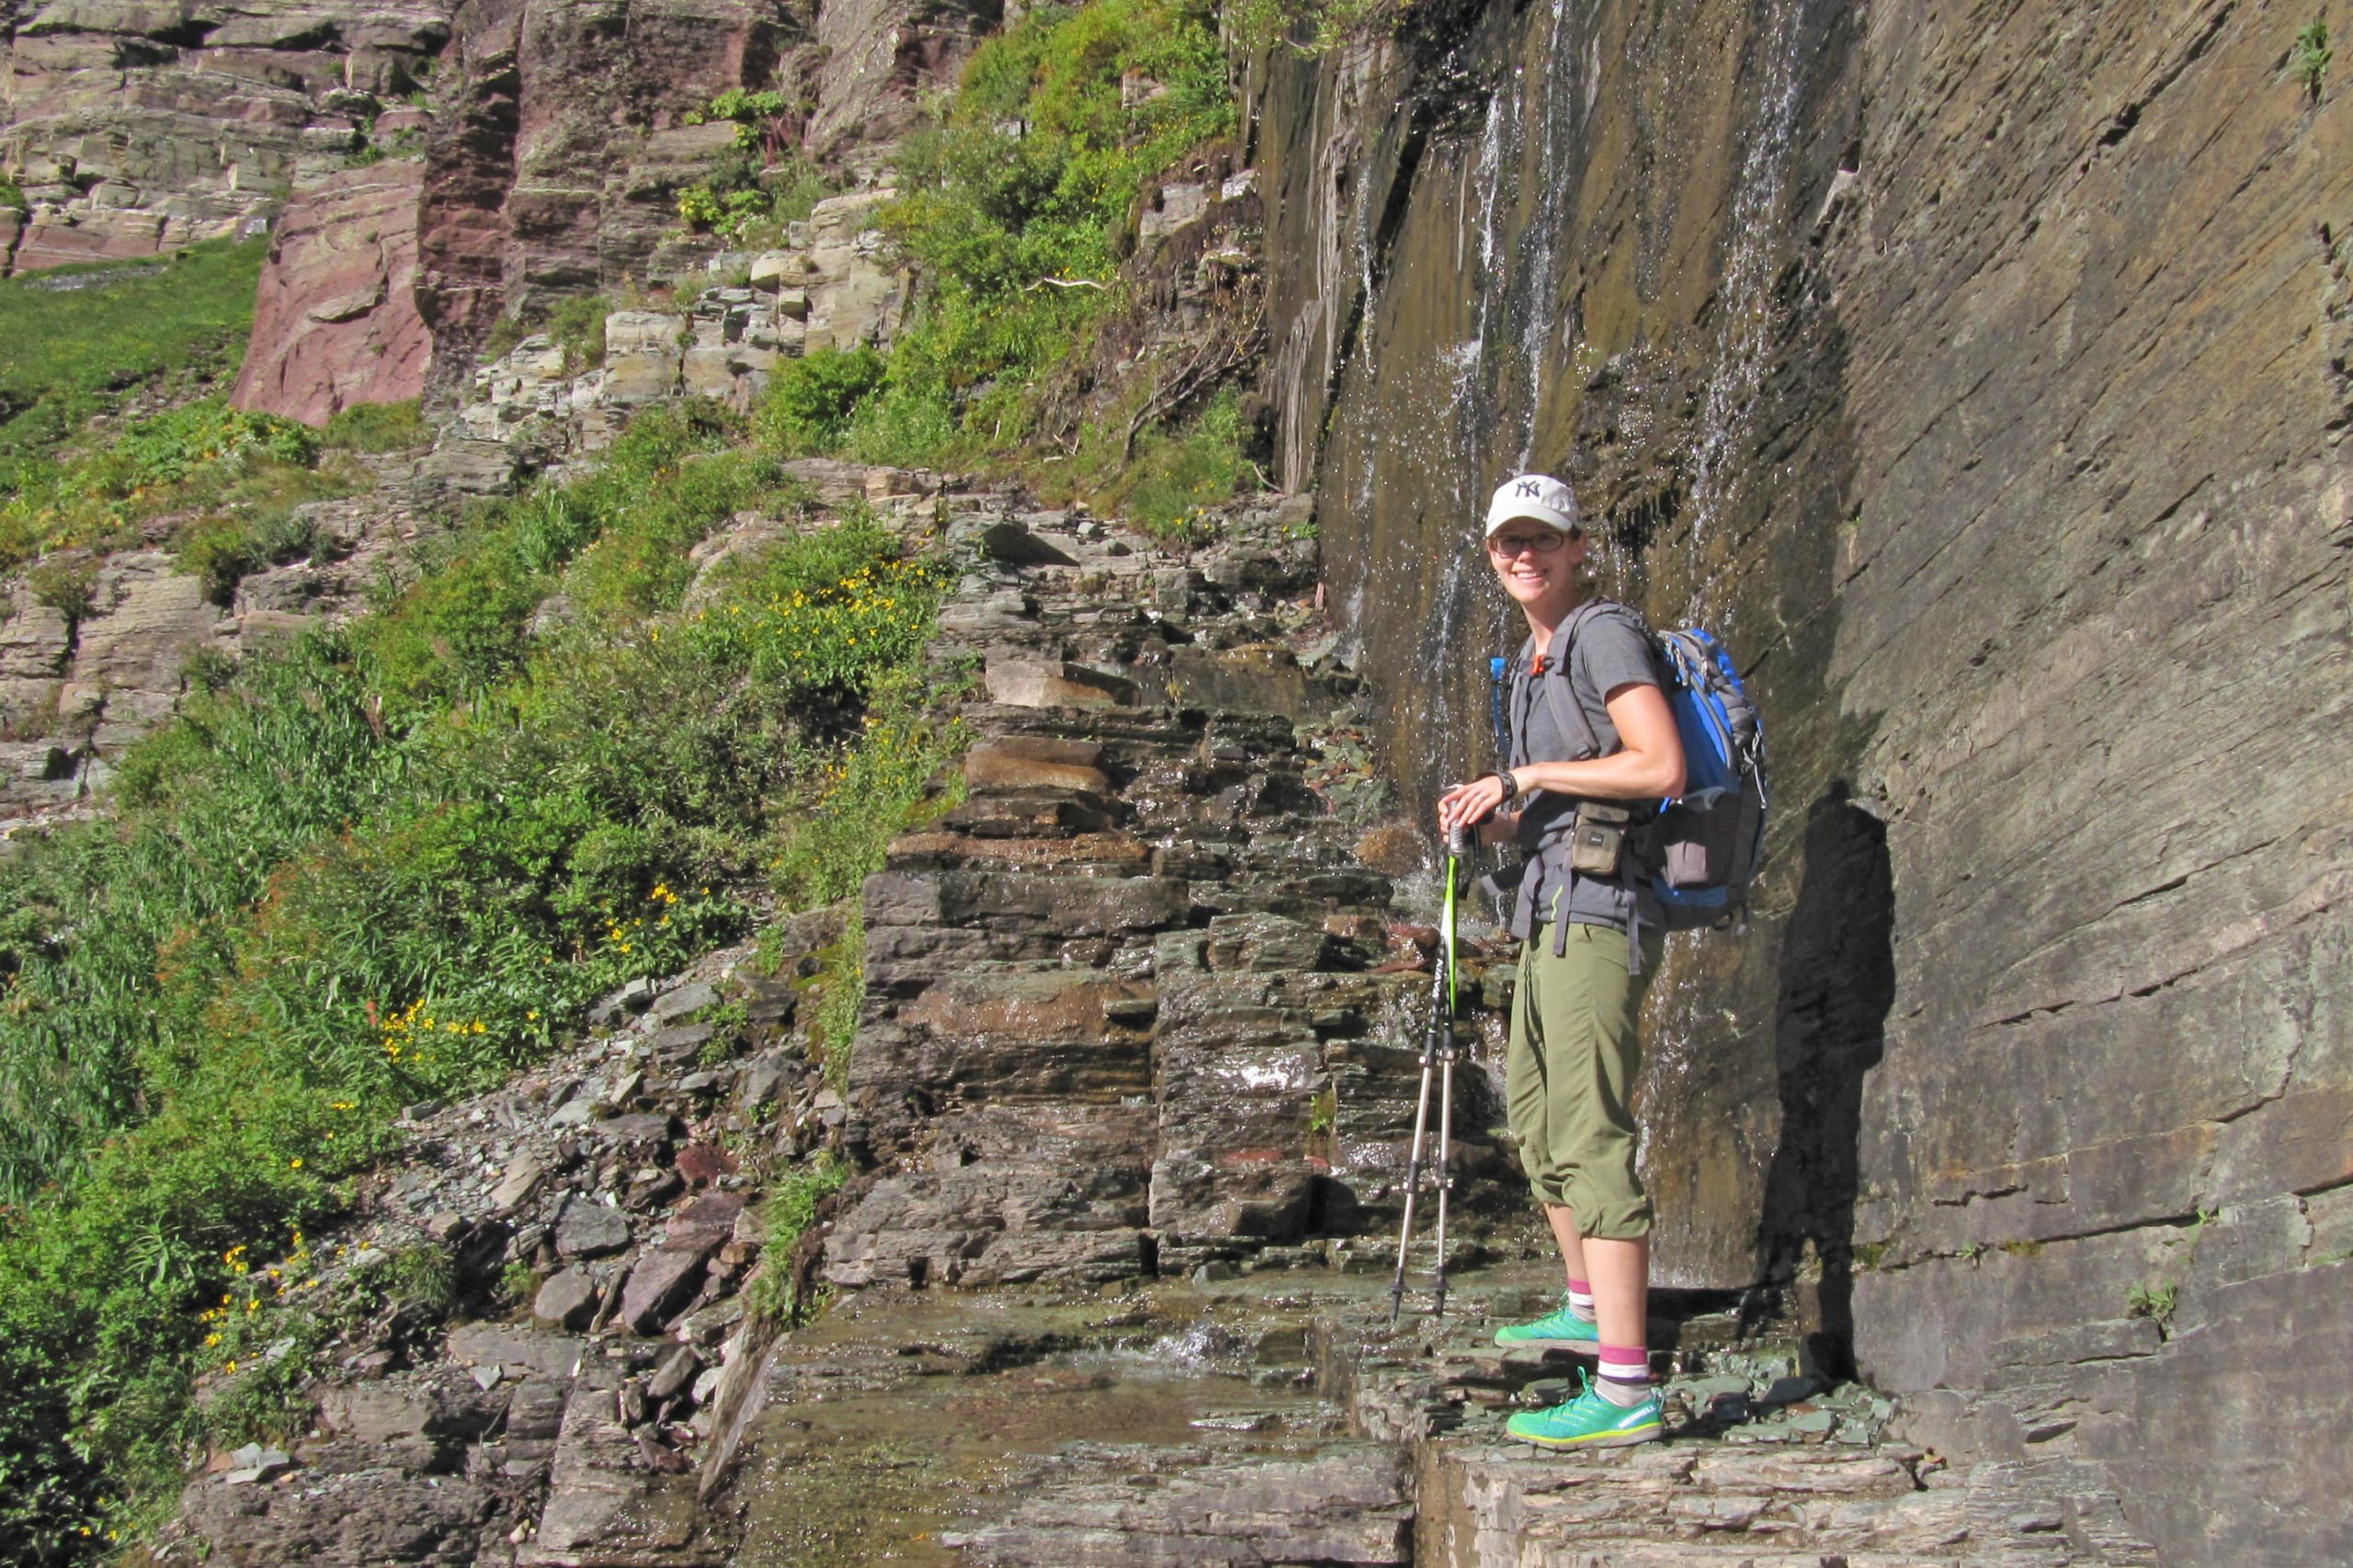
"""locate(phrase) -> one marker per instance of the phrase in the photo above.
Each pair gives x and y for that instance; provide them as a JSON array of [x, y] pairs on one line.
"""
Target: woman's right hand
[[1477, 801]]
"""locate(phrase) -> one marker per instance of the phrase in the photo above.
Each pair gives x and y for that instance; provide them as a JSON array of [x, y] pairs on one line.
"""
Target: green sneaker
[[1588, 1421], [1562, 1330]]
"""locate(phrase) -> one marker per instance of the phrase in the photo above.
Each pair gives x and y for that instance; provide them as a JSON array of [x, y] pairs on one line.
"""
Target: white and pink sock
[[1625, 1378]]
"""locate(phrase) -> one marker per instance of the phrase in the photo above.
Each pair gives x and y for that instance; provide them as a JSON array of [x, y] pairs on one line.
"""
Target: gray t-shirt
[[1610, 648]]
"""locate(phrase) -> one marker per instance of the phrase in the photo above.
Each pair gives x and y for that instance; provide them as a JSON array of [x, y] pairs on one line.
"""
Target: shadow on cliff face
[[1829, 1029]]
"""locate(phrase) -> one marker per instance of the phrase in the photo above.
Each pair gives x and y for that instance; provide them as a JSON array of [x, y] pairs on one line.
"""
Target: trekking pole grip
[[1457, 840]]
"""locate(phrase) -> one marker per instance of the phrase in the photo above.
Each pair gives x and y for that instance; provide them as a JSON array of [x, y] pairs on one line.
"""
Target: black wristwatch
[[1511, 785]]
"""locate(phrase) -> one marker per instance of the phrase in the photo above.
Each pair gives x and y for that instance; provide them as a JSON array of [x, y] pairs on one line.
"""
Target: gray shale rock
[[589, 1229]]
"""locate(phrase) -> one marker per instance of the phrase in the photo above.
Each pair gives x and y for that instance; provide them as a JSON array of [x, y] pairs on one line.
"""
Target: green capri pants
[[1569, 1075]]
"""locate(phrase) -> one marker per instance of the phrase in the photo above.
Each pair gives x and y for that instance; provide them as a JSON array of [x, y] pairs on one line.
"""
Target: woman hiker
[[1587, 948]]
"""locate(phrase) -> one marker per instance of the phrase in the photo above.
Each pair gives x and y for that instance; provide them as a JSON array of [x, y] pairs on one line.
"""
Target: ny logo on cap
[[1529, 489]]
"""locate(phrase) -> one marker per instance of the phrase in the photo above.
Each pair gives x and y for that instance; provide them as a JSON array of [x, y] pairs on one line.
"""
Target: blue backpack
[[1702, 850], [1707, 843]]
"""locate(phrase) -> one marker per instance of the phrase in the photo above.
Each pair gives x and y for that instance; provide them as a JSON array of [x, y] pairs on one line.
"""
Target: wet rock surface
[[1981, 375], [1283, 1419]]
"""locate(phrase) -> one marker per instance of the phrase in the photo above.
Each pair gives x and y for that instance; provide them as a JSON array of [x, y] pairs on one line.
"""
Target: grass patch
[[1178, 477], [382, 427], [72, 353]]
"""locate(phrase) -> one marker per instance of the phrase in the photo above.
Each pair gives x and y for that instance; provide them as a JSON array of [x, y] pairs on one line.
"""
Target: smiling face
[[1541, 568]]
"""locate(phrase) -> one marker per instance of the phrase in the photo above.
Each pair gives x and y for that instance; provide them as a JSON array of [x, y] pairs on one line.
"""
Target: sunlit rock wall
[[336, 321], [1980, 371], [134, 129]]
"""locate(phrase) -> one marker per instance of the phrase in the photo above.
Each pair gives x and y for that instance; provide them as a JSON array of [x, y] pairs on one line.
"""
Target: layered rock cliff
[[1980, 372], [134, 129]]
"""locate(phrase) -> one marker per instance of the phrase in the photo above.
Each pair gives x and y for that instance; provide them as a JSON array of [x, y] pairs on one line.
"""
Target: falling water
[[1736, 370], [1684, 1005], [1540, 336]]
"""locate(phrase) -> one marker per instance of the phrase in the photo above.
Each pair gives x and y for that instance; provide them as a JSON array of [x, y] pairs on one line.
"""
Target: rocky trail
[[1125, 1125]]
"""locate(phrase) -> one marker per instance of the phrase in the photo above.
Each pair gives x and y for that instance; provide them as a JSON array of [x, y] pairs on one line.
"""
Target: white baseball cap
[[1537, 498]]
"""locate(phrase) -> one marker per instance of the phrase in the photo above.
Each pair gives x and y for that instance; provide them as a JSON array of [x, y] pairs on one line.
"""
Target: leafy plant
[[1314, 27], [790, 1210], [518, 1282], [12, 197], [810, 401], [2308, 57], [2156, 1302], [1015, 207], [66, 583], [766, 179], [577, 324], [201, 455], [223, 548]]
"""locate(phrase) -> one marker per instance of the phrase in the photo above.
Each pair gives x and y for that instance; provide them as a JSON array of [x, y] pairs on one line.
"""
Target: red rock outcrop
[[336, 322]]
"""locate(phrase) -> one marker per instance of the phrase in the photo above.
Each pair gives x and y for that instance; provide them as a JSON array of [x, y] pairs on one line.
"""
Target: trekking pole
[[1438, 1049], [1458, 849]]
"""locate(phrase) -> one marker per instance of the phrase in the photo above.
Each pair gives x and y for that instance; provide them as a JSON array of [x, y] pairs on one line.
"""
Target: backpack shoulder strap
[[1568, 713], [1513, 693]]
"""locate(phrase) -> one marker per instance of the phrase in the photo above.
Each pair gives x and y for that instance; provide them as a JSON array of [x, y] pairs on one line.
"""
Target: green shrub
[[791, 1208], [222, 547], [577, 324], [201, 455], [1314, 27], [764, 180], [812, 399], [1176, 478], [859, 800], [1029, 177], [66, 583], [12, 197]]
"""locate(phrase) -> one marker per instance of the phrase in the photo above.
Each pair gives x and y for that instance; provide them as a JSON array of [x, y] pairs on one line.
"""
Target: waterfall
[[1743, 304]]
